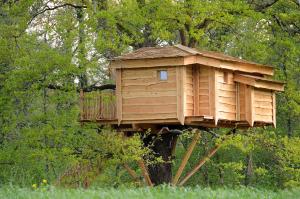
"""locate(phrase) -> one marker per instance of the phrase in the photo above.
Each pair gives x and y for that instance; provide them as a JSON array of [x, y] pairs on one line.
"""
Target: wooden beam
[[274, 108], [186, 156], [196, 87], [131, 172], [180, 75], [249, 103], [238, 106], [213, 94], [119, 95], [200, 164], [145, 173]]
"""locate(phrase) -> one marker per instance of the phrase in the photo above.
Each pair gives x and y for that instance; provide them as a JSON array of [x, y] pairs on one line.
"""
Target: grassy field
[[160, 192]]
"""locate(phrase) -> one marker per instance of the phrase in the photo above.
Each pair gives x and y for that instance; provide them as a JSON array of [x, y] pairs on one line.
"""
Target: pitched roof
[[178, 51]]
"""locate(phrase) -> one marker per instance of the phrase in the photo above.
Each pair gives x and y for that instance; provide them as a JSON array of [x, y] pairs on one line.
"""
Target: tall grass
[[151, 193]]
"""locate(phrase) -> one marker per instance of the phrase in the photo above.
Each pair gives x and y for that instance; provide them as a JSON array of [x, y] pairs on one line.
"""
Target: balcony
[[98, 106]]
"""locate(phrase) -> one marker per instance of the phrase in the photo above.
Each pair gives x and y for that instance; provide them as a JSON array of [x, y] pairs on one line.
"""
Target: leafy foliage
[[49, 50]]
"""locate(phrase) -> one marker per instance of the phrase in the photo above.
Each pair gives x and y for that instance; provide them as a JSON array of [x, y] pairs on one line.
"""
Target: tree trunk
[[161, 145], [249, 169]]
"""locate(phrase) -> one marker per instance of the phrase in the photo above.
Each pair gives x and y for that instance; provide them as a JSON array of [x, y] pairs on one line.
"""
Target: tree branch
[[263, 7], [86, 89], [47, 8]]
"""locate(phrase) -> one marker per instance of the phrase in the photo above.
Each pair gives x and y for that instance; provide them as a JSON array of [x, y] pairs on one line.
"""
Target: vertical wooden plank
[[213, 94], [145, 172], [183, 68], [237, 97], [180, 75], [100, 106], [249, 102], [186, 157], [119, 94], [274, 108], [81, 104], [196, 89]]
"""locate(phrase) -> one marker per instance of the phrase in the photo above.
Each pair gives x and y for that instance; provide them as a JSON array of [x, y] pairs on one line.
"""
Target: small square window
[[163, 75]]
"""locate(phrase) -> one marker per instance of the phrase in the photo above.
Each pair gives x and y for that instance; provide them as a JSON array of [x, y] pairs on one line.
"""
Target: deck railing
[[98, 105]]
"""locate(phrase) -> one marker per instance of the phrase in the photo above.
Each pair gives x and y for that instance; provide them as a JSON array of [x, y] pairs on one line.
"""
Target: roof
[[179, 55], [178, 51], [259, 82], [154, 52]]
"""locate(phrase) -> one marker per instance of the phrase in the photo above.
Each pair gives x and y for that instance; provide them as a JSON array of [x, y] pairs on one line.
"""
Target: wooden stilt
[[186, 157], [200, 164], [145, 173], [131, 172]]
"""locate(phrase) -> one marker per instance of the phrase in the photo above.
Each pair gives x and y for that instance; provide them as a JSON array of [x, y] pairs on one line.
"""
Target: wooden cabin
[[177, 85]]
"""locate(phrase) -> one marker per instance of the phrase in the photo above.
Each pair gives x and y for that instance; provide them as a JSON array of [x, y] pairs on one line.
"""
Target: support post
[[131, 172], [145, 173], [200, 164], [186, 156]]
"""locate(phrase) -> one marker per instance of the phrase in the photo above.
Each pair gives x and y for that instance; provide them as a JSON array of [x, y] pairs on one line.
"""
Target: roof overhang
[[258, 82], [193, 59]]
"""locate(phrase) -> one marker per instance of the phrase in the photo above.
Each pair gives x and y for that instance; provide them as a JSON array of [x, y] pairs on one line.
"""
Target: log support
[[200, 164], [132, 173], [186, 156], [205, 159], [165, 147], [145, 173]]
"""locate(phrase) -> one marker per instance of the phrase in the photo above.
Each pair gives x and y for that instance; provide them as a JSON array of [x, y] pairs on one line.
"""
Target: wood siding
[[263, 105], [242, 101], [204, 101], [226, 95], [189, 92], [256, 105], [145, 97]]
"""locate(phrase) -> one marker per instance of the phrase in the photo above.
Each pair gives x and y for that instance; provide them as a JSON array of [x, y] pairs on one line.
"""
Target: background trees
[[51, 49]]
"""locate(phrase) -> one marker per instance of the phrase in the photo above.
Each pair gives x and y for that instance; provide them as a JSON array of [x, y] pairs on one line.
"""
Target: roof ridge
[[186, 49]]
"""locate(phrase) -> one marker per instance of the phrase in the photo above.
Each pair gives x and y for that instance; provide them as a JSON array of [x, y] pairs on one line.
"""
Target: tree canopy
[[49, 50]]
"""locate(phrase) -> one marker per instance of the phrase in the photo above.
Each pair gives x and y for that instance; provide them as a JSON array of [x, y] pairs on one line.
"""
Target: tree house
[[172, 88], [178, 85]]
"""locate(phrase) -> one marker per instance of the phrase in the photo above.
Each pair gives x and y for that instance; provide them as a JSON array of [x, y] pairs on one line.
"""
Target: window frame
[[159, 75]]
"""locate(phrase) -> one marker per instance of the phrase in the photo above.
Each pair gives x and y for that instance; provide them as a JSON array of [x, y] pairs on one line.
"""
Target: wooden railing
[[98, 105]]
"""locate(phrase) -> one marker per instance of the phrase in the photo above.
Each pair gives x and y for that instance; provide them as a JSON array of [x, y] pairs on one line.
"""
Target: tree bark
[[249, 169], [161, 145]]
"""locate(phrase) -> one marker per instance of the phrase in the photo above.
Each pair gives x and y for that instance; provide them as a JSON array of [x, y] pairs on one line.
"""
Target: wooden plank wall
[[145, 97], [226, 91], [263, 105], [242, 101], [204, 104], [189, 92]]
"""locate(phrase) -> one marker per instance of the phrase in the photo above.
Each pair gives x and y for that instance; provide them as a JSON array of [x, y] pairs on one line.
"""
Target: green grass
[[157, 193]]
